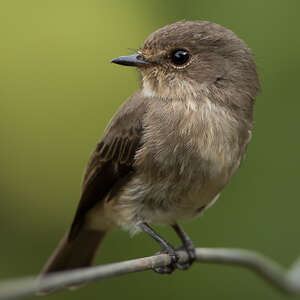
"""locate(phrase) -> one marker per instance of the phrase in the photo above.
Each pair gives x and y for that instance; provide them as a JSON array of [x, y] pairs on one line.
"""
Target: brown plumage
[[173, 146]]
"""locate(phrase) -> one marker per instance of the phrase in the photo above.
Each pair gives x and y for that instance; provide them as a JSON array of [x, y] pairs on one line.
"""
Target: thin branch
[[286, 281]]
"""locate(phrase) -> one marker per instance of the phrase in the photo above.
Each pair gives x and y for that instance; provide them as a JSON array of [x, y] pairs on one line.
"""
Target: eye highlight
[[180, 57]]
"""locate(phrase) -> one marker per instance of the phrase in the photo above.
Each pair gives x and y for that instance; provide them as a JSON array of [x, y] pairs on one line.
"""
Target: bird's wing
[[112, 159]]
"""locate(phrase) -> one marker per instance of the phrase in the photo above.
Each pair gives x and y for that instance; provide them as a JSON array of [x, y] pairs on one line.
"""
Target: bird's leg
[[187, 245], [166, 248]]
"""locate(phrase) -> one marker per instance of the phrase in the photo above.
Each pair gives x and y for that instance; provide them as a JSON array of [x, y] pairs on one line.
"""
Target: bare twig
[[286, 281]]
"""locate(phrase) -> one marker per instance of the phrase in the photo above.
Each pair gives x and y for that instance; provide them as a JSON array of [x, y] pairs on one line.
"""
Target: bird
[[172, 147]]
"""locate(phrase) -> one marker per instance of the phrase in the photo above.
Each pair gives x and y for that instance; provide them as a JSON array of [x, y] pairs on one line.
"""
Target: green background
[[58, 91]]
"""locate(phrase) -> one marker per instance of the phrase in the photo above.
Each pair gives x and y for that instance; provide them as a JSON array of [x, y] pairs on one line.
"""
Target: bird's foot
[[174, 261], [190, 249]]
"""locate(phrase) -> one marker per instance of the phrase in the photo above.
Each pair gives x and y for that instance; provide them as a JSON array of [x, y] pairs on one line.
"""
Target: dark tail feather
[[74, 254]]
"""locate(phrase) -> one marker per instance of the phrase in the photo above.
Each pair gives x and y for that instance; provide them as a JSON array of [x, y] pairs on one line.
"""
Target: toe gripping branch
[[187, 245]]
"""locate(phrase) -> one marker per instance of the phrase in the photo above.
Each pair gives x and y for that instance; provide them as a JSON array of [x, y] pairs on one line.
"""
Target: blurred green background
[[58, 91]]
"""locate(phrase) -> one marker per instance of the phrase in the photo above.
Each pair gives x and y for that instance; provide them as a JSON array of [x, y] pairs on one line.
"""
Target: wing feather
[[112, 159]]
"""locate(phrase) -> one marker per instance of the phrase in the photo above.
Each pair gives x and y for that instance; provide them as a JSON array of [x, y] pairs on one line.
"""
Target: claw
[[190, 249], [168, 249], [187, 246], [172, 266]]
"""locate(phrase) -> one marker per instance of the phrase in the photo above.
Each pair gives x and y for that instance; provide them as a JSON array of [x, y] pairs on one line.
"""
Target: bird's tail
[[73, 254]]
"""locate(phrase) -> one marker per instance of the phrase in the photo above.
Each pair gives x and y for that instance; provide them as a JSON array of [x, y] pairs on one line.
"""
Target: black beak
[[134, 60]]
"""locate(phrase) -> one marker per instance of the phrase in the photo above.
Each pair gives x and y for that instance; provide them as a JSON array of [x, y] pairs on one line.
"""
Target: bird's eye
[[180, 57]]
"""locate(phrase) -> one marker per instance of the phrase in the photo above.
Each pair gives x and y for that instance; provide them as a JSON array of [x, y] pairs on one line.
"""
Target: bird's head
[[186, 59]]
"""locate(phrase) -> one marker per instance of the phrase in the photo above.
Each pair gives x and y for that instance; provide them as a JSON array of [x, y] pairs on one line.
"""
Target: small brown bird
[[173, 146]]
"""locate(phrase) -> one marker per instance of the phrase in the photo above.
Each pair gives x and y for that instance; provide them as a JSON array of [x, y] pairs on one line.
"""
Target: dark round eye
[[180, 57]]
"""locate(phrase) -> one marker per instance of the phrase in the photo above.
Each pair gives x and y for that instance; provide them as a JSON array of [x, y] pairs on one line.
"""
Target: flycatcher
[[173, 146]]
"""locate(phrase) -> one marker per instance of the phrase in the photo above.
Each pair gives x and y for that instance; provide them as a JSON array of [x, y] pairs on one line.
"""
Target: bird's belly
[[173, 194], [180, 169], [174, 203]]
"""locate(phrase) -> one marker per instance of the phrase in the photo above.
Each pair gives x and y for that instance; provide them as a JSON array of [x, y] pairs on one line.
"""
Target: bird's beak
[[134, 60]]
